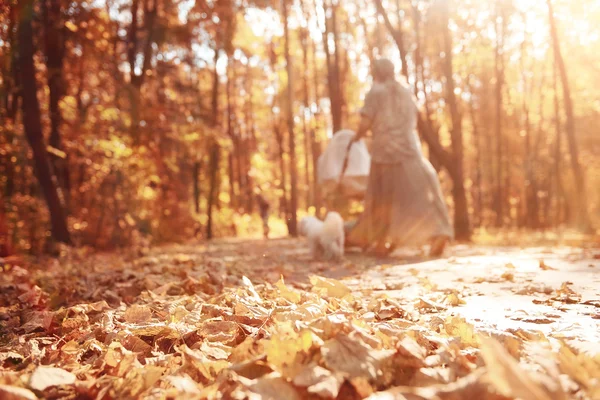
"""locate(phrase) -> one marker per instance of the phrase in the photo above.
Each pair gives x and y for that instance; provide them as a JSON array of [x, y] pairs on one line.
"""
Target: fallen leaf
[[545, 267], [319, 381], [272, 387], [8, 392], [352, 357], [505, 374], [287, 293], [138, 314], [330, 287], [45, 377]]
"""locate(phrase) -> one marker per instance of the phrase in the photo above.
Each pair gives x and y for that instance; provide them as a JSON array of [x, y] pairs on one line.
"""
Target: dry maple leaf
[[45, 377], [505, 374], [352, 357], [319, 381], [545, 267], [287, 293], [137, 314], [329, 287], [459, 328], [272, 387], [8, 392]]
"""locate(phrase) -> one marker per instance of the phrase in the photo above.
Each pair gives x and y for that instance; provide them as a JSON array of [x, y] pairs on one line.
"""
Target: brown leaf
[[352, 357], [45, 377], [272, 387], [138, 314], [508, 378], [8, 392], [545, 267], [319, 381], [183, 384]]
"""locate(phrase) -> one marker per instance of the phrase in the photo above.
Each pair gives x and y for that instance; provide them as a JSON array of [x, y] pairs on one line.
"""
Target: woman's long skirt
[[404, 206]]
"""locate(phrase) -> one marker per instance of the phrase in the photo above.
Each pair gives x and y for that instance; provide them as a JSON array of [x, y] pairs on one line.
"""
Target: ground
[[258, 319]]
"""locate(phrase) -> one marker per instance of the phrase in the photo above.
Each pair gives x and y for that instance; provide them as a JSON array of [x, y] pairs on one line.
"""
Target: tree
[[54, 50], [33, 126], [461, 211], [293, 224], [581, 217]]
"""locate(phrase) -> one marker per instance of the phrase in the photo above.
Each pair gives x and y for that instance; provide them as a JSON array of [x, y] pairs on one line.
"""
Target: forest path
[[192, 320]]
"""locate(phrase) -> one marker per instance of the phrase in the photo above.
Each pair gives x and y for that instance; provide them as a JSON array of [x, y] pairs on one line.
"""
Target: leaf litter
[[193, 326]]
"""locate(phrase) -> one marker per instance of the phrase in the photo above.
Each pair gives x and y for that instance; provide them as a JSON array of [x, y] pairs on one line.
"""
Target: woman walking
[[404, 203]]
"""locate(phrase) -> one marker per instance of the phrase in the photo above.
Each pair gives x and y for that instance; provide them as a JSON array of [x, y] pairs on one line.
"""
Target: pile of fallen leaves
[[176, 326]]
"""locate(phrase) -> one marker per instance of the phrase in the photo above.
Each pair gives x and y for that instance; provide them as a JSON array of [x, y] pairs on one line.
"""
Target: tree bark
[[196, 178], [461, 211], [33, 127], [306, 110], [315, 145], [332, 75], [293, 226], [581, 218], [55, 49], [499, 74], [213, 152], [212, 193]]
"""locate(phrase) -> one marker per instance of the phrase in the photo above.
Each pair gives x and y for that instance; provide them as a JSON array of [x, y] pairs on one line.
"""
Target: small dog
[[325, 238]]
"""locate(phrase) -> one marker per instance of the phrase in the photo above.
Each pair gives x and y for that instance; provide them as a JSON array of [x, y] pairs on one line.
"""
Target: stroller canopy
[[329, 168]]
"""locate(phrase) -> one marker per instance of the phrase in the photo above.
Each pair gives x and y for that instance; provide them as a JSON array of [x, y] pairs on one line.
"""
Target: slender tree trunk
[[332, 75], [233, 159], [54, 49], [499, 72], [462, 227], [213, 169], [560, 192], [290, 123], [581, 217], [315, 144], [478, 196], [213, 152], [305, 111], [33, 126], [196, 178]]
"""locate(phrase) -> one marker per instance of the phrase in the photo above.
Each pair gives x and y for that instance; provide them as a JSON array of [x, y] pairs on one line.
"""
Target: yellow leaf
[[58, 153], [286, 293], [330, 287], [71, 26]]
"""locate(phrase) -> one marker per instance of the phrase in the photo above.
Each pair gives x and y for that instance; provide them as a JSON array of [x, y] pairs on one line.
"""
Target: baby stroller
[[343, 172]]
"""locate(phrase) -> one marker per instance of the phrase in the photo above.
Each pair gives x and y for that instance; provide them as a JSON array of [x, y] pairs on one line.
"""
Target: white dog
[[325, 238]]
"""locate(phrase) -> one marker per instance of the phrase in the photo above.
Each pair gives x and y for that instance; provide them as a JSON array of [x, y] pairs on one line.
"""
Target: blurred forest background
[[130, 120]]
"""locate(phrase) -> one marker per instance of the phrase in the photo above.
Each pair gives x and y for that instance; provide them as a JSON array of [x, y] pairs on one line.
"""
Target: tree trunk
[[213, 168], [213, 152], [315, 145], [305, 111], [233, 160], [499, 72], [290, 123], [461, 211], [332, 76], [196, 178], [55, 49], [478, 184], [581, 218], [33, 127]]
